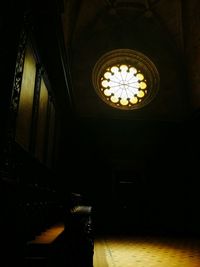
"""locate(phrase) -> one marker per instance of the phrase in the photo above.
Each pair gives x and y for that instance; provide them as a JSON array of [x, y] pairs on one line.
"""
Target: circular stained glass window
[[125, 79]]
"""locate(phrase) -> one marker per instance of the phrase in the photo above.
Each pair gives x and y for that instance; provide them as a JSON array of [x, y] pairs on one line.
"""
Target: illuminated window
[[125, 79]]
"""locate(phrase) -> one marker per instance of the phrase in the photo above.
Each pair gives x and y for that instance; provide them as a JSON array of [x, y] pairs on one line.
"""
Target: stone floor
[[146, 252]]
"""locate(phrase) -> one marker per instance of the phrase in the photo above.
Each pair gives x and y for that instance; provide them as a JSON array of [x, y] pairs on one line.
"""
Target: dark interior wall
[[10, 39], [29, 188], [192, 197], [164, 196], [8, 190], [191, 22], [157, 169], [191, 35]]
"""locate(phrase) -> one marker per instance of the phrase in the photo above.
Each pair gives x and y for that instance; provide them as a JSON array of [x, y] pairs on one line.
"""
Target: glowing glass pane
[[123, 67], [118, 92], [132, 70], [129, 76], [130, 93], [134, 100], [143, 85], [118, 76], [104, 83], [124, 94], [134, 85], [114, 99], [112, 84], [124, 102], [140, 76], [107, 75], [114, 69], [107, 92], [140, 94]]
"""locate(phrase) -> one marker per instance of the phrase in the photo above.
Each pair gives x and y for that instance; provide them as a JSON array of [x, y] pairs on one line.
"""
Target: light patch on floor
[[149, 251], [49, 235]]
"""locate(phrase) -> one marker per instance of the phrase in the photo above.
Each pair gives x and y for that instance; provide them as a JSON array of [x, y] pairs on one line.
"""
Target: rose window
[[125, 79]]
